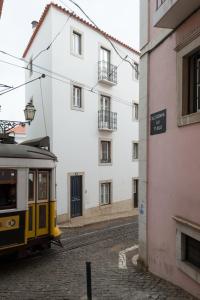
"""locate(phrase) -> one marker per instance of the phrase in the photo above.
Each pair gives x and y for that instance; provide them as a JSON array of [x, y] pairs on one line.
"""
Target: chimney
[[34, 24]]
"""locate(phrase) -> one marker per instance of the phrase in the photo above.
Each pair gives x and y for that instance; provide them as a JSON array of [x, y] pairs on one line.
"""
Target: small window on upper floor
[[136, 71], [135, 111], [188, 86], [77, 97], [76, 43], [193, 84], [135, 150]]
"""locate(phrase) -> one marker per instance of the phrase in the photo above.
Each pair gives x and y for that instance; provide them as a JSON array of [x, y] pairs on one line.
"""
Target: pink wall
[[173, 165]]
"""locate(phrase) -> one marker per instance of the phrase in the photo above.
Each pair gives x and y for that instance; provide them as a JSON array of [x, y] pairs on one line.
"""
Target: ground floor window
[[188, 247], [192, 251], [135, 193], [8, 188], [105, 193]]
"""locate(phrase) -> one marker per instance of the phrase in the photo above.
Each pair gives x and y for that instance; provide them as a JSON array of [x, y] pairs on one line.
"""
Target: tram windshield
[[8, 188]]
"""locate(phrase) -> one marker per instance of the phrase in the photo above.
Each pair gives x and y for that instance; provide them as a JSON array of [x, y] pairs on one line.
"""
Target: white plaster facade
[[74, 134]]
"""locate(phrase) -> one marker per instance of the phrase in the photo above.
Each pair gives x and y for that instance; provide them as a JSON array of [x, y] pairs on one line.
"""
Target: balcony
[[107, 73], [107, 120], [171, 13]]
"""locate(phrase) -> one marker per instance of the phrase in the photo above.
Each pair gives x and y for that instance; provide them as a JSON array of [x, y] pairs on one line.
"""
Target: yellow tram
[[27, 197]]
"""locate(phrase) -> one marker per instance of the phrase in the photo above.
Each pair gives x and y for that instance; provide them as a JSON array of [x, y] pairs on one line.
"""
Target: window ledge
[[77, 108], [105, 164], [189, 119], [189, 269], [77, 55], [104, 205], [186, 222]]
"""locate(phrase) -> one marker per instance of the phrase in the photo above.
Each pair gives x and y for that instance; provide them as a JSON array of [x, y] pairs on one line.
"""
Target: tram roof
[[24, 151]]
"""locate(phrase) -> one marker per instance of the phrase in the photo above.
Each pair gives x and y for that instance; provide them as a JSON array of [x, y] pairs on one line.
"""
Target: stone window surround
[[111, 154], [111, 192], [186, 227], [183, 53], [73, 29], [133, 111], [135, 142], [73, 83]]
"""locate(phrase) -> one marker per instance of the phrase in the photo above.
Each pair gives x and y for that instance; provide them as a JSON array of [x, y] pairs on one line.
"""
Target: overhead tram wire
[[23, 84], [87, 88], [44, 117], [112, 44]]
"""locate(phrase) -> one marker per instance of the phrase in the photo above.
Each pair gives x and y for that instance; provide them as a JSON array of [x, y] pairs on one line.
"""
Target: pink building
[[169, 186]]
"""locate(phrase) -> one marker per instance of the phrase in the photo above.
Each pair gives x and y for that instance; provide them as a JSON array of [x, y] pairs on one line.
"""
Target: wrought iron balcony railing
[[107, 120], [159, 3], [107, 72]]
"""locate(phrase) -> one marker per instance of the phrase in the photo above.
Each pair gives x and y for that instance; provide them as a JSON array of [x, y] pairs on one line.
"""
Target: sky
[[120, 19]]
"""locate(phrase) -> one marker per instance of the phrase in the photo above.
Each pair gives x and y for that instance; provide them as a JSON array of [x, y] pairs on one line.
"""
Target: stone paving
[[59, 273]]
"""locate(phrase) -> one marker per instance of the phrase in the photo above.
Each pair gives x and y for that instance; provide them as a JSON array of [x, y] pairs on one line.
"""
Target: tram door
[[38, 203]]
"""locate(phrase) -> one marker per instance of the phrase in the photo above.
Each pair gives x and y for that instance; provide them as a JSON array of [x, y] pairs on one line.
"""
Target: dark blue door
[[76, 196]]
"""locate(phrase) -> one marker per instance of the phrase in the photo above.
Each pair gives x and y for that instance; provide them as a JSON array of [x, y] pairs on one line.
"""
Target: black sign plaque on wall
[[158, 122]]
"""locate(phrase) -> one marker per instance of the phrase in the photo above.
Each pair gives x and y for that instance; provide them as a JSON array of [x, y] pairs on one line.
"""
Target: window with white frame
[[105, 152], [105, 193], [135, 111], [135, 150], [76, 43], [77, 97]]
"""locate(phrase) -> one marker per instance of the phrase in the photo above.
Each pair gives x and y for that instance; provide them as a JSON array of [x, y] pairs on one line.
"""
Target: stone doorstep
[[83, 221]]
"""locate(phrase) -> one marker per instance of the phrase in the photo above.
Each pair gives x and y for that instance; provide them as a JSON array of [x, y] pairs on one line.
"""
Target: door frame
[[132, 197], [69, 175]]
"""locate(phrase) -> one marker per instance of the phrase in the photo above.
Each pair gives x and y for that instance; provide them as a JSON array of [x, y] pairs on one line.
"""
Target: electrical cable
[[54, 39], [16, 87], [112, 44], [70, 81], [45, 125]]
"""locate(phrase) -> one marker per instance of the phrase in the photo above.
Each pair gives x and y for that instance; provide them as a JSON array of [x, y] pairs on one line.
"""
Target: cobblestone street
[[59, 273]]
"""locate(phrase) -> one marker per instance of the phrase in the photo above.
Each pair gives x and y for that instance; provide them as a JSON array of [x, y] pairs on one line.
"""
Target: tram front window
[[8, 189]]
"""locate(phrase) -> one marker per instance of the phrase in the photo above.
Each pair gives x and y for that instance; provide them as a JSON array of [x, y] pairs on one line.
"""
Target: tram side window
[[43, 185], [31, 188], [8, 189]]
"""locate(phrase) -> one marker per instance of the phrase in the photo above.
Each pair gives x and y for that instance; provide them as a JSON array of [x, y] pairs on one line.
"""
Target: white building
[[88, 105]]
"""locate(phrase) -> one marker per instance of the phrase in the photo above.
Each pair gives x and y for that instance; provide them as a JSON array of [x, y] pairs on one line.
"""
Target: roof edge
[[61, 9]]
